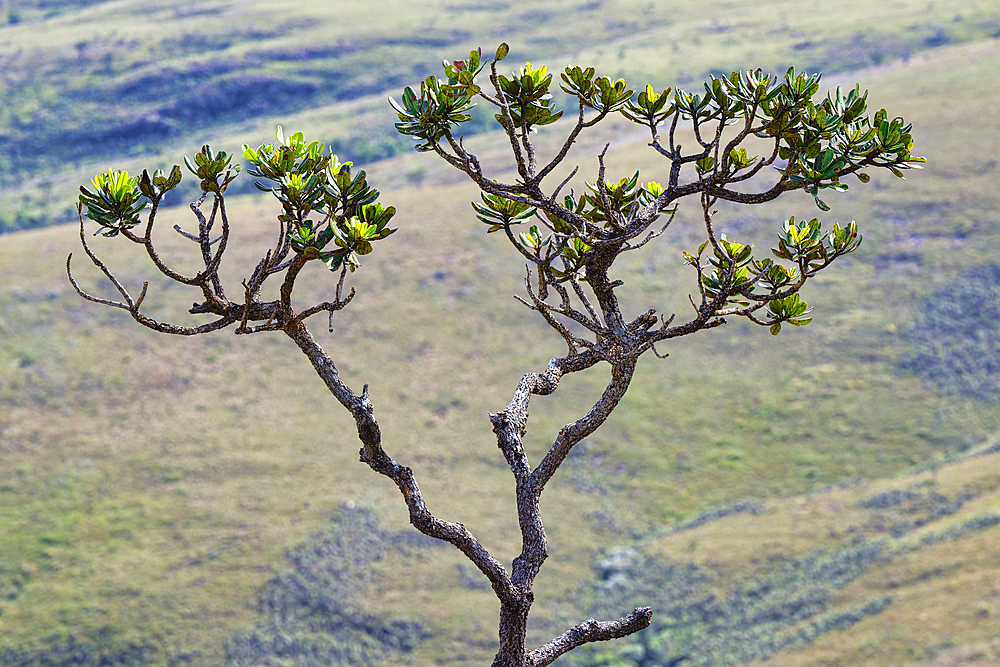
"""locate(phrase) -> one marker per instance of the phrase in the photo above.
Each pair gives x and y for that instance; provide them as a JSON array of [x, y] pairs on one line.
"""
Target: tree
[[330, 215]]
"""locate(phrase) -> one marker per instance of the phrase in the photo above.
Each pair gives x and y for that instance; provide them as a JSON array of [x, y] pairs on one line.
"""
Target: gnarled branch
[[590, 631]]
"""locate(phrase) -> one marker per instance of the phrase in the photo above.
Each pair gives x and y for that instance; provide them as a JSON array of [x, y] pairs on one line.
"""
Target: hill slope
[[87, 82], [152, 486]]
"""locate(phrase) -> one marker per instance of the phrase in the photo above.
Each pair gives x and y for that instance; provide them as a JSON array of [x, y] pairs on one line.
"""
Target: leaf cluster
[[322, 203], [650, 108], [118, 198], [820, 142], [439, 105], [600, 94], [733, 272], [617, 201], [115, 202], [528, 98], [805, 244], [213, 169], [565, 240], [498, 212], [327, 213]]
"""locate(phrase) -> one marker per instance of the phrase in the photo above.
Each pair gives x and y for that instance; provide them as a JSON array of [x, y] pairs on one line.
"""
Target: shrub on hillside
[[312, 610], [956, 337]]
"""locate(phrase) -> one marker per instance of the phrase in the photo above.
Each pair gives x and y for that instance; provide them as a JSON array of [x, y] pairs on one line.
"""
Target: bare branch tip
[[145, 286]]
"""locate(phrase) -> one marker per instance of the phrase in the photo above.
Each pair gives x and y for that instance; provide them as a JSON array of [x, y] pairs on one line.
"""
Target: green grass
[[151, 485]]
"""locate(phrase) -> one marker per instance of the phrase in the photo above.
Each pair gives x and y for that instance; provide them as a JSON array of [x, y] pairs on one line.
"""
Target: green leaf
[[502, 52], [502, 211]]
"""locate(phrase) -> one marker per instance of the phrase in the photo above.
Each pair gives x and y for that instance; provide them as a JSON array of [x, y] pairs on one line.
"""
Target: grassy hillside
[[151, 487], [125, 82]]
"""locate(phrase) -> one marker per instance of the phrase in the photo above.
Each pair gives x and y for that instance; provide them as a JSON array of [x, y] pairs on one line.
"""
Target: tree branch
[[590, 631], [421, 518], [574, 432]]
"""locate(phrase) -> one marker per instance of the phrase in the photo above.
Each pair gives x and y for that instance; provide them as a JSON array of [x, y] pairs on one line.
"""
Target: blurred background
[[829, 496]]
